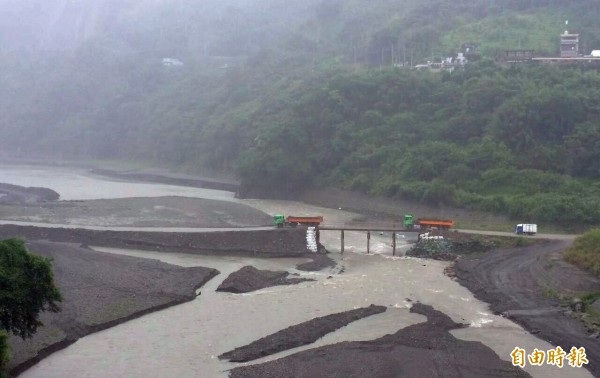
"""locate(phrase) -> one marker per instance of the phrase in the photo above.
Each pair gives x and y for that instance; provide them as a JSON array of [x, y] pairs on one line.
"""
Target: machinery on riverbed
[[293, 221]]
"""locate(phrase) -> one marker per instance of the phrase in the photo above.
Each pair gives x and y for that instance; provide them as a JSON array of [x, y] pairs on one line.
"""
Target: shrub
[[585, 252], [26, 288], [4, 354]]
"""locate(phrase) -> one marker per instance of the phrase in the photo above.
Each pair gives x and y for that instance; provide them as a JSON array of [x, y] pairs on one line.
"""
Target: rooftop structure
[[569, 44]]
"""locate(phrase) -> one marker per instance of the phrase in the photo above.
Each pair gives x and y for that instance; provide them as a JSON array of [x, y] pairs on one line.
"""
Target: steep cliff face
[[58, 25]]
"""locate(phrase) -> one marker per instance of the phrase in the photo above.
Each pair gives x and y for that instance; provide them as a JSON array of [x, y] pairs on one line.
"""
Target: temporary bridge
[[368, 228]]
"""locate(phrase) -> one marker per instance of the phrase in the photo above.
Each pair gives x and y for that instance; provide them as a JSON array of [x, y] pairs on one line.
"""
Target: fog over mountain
[[294, 94], [54, 24], [64, 25]]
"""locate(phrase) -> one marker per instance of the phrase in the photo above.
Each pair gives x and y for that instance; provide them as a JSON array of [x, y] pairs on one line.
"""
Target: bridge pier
[[318, 237], [368, 230]]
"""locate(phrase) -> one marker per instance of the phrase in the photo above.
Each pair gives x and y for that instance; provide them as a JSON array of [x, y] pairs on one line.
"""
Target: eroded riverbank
[[218, 322], [262, 243], [99, 291]]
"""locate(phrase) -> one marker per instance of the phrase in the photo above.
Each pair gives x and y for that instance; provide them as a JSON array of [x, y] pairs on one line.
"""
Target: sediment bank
[[263, 243], [170, 179], [421, 350], [300, 334], [101, 290], [166, 211], [15, 194], [250, 279]]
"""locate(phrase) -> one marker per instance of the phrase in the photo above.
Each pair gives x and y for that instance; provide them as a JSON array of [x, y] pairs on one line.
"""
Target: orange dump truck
[[280, 221], [435, 223], [421, 223]]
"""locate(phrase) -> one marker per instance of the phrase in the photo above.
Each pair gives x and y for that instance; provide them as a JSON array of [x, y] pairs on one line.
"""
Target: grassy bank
[[585, 252]]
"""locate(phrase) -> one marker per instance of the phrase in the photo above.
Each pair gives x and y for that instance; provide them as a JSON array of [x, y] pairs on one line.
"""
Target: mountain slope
[[299, 94]]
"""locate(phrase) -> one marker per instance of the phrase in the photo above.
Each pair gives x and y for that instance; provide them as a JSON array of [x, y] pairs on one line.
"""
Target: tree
[[4, 354], [26, 288]]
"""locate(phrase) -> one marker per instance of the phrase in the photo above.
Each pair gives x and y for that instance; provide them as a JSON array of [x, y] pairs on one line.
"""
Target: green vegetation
[[551, 293], [508, 141], [4, 354], [529, 30], [455, 244], [585, 252], [26, 289], [293, 95], [589, 298]]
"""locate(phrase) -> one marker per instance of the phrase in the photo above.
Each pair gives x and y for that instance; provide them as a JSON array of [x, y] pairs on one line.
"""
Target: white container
[[526, 228]]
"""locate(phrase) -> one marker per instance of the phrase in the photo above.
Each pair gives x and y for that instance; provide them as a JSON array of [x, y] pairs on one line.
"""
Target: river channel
[[184, 340]]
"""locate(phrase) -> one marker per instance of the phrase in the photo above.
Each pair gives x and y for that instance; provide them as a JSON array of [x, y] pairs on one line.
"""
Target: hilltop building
[[569, 45], [448, 64], [569, 54], [515, 56]]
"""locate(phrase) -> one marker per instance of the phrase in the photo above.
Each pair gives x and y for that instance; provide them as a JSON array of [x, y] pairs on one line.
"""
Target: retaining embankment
[[262, 243]]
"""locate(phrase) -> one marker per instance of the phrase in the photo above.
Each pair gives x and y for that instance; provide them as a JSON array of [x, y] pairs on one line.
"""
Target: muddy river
[[78, 184], [183, 341]]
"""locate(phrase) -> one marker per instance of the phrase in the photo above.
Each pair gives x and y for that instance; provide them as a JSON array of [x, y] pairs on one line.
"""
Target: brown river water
[[184, 340]]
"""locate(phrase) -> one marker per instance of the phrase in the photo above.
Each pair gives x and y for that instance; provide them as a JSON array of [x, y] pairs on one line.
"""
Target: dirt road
[[514, 281], [537, 236]]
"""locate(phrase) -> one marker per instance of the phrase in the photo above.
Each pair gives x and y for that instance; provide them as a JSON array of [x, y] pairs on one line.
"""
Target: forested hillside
[[521, 141], [297, 94]]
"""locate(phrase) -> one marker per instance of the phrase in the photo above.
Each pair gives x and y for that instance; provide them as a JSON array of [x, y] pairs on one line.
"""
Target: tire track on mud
[[513, 282]]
